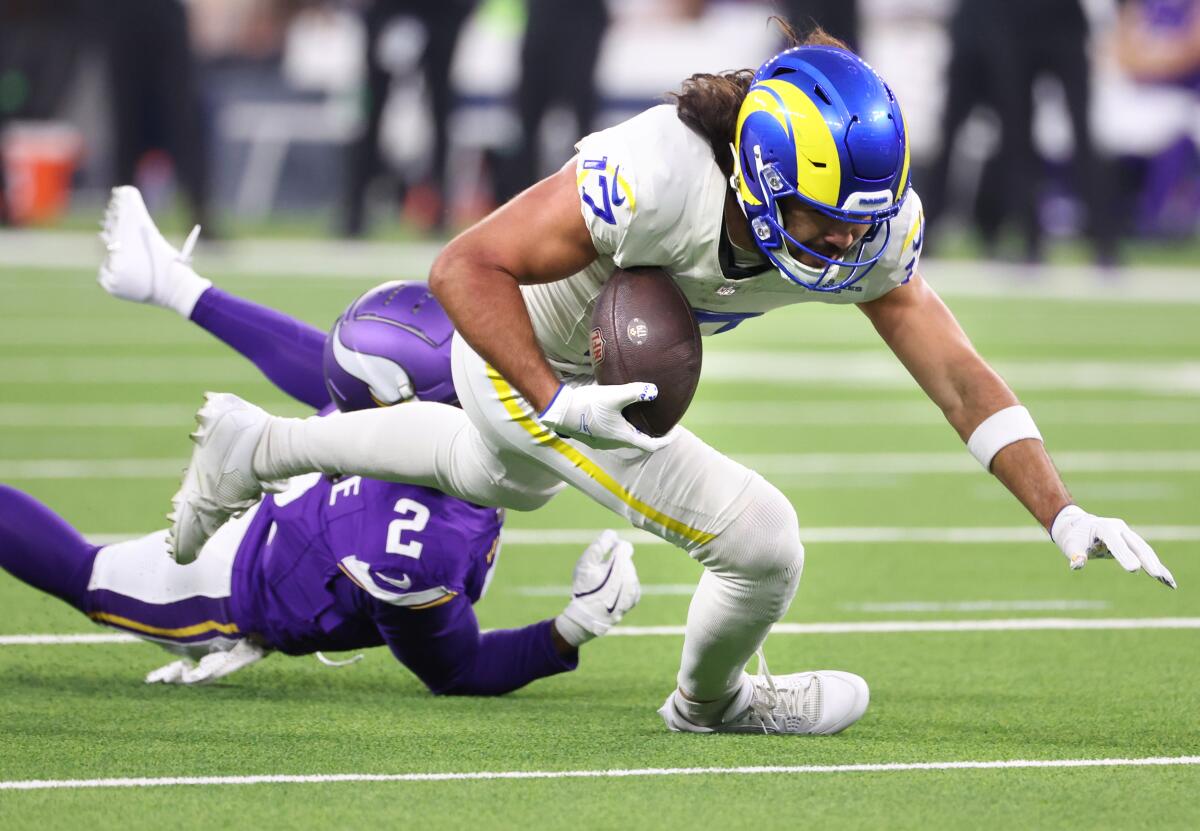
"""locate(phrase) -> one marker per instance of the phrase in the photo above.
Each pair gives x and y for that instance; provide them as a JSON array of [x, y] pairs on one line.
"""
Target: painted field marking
[[1003, 535], [977, 606], [883, 411], [855, 369], [877, 369], [629, 773], [956, 461], [685, 589], [778, 465], [737, 413], [369, 259], [869, 627], [880, 627]]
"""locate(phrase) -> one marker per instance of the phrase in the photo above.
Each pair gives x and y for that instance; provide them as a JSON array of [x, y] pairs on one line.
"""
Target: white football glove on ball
[[591, 413], [139, 264], [1083, 536], [212, 666], [604, 588]]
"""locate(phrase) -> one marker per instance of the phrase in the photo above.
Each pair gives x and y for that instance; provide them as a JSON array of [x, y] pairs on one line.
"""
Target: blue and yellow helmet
[[818, 124]]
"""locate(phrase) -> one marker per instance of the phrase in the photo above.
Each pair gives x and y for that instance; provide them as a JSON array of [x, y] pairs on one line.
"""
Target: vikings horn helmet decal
[[391, 345]]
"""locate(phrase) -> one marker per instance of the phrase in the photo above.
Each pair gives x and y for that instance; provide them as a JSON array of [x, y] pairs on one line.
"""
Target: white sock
[[752, 572], [420, 442], [186, 288], [386, 443]]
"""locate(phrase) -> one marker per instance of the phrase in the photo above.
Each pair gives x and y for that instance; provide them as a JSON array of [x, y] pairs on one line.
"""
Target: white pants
[[686, 493]]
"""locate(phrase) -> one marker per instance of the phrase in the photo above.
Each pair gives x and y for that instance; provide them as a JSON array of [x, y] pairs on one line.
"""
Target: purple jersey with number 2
[[307, 551]]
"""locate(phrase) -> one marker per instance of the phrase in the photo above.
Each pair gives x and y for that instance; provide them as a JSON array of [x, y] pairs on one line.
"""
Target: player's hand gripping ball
[[643, 330]]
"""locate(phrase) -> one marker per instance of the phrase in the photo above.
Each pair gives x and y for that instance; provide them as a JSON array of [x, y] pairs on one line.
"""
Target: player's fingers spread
[[1121, 552], [1149, 559]]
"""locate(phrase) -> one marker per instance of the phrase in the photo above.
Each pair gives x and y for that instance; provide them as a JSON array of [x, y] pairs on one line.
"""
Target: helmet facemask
[[769, 229]]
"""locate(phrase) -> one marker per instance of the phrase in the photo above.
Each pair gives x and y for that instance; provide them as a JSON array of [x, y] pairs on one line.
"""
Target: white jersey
[[652, 194]]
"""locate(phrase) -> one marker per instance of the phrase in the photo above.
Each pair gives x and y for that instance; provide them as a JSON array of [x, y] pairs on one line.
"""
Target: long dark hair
[[709, 103]]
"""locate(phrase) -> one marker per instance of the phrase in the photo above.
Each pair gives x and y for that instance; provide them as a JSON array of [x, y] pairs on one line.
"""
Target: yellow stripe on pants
[[509, 397]]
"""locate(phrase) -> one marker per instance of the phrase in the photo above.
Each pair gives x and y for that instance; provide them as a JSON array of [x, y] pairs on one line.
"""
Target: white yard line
[[736, 413], [625, 773], [63, 469], [780, 466], [298, 257], [881, 627], [882, 412], [850, 627], [1006, 535], [877, 369], [67, 640], [977, 606], [845, 369], [958, 461], [648, 589]]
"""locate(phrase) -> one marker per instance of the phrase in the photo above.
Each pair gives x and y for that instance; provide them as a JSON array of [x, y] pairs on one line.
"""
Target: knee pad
[[762, 543]]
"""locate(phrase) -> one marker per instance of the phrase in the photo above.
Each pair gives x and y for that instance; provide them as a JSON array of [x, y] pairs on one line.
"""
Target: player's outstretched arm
[[443, 646], [141, 266], [998, 431]]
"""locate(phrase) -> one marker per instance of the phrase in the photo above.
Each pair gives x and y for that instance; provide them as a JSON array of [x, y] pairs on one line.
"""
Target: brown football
[[643, 330]]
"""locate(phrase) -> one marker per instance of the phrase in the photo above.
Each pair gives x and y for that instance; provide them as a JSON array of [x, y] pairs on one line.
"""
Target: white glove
[[1082, 536], [139, 264], [604, 588], [212, 666], [592, 414]]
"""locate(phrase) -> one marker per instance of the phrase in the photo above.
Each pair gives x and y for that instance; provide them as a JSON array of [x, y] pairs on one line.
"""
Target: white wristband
[[998, 431]]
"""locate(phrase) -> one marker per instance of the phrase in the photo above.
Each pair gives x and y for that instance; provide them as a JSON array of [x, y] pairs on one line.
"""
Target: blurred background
[[1061, 130]]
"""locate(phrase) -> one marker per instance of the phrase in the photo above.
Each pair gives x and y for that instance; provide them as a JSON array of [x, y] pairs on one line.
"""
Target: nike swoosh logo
[[616, 600], [403, 584]]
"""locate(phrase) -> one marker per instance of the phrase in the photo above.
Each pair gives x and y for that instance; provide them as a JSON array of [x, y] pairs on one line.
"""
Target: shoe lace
[[771, 702], [189, 245]]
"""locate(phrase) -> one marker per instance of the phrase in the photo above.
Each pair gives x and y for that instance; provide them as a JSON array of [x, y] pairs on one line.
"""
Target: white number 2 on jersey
[[414, 517]]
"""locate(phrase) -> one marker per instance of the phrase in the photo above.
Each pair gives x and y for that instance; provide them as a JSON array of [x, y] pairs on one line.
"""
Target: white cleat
[[139, 264], [804, 703], [219, 482]]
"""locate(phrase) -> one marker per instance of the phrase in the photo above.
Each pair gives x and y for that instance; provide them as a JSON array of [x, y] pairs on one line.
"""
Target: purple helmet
[[391, 345]]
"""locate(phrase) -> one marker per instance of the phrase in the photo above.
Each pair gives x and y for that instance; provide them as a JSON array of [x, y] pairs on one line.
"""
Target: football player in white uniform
[[753, 190]]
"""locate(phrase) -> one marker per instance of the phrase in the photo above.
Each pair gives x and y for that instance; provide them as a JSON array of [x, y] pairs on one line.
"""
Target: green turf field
[[96, 403]]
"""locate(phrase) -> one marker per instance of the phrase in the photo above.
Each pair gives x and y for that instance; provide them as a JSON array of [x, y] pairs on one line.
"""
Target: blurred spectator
[[155, 95], [442, 21], [558, 63], [999, 53], [1158, 42]]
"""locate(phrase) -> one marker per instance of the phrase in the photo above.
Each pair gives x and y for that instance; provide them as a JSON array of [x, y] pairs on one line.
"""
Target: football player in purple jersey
[[324, 563]]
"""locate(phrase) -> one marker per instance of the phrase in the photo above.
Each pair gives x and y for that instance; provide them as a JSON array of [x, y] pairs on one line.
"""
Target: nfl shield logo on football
[[597, 346]]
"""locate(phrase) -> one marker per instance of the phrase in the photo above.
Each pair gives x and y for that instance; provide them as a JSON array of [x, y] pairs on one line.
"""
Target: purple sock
[[286, 350], [40, 548]]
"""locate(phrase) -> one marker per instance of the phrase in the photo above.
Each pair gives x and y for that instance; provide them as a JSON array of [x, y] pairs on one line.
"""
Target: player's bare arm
[[538, 237], [923, 334]]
